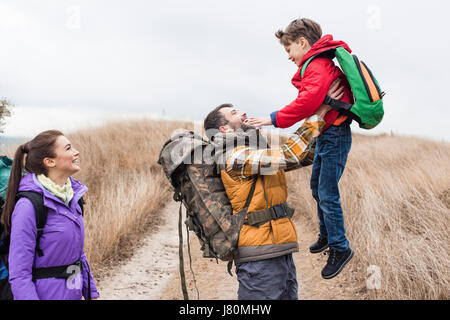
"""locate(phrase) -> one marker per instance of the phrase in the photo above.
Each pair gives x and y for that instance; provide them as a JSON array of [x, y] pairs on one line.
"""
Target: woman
[[50, 162]]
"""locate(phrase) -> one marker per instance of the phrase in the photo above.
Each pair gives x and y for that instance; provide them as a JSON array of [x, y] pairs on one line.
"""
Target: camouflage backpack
[[188, 162]]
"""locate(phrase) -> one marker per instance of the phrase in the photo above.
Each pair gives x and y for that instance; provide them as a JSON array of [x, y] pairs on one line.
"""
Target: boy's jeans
[[330, 158]]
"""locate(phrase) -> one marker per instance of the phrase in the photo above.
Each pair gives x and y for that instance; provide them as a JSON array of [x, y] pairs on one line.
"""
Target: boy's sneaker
[[320, 245], [336, 262]]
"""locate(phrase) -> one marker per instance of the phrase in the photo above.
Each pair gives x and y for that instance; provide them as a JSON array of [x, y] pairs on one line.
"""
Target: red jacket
[[313, 88]]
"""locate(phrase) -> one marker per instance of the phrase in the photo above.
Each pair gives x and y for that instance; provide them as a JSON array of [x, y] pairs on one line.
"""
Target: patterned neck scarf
[[225, 143], [65, 193]]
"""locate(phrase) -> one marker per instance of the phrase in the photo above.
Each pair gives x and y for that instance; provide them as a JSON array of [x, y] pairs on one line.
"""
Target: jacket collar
[[251, 137], [225, 143], [324, 44], [29, 182]]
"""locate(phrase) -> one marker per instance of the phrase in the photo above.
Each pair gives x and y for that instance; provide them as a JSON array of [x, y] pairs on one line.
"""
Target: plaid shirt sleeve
[[246, 161]]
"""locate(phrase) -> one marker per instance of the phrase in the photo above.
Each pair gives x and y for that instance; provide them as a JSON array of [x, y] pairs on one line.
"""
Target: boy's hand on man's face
[[258, 121]]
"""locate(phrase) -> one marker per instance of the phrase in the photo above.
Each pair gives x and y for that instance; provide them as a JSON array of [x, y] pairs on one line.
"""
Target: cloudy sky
[[66, 64]]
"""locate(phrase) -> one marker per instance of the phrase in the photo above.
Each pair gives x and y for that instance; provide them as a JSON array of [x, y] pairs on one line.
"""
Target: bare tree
[[5, 111]]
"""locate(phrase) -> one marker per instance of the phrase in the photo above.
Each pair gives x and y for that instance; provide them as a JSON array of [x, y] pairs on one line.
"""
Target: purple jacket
[[62, 243]]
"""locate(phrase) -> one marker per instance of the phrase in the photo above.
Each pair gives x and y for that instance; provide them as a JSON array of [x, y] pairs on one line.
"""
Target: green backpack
[[368, 107]]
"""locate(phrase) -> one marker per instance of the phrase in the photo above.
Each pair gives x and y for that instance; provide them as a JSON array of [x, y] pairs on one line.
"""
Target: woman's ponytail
[[36, 150]]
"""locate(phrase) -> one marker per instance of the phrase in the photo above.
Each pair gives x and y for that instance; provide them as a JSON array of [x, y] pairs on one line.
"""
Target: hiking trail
[[152, 272]]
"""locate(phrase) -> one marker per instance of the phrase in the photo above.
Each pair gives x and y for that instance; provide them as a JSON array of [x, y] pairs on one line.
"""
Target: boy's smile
[[297, 50]]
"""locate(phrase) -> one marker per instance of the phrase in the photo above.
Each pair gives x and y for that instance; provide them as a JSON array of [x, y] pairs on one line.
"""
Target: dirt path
[[150, 269], [152, 272]]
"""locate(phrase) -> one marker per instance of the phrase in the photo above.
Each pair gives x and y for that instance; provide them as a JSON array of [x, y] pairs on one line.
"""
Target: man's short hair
[[215, 119], [306, 28]]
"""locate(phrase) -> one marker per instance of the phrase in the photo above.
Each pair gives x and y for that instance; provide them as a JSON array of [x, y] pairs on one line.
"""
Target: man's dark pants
[[269, 279]]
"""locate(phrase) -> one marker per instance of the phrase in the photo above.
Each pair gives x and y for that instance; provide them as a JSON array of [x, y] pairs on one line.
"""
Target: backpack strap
[[243, 213], [190, 261], [244, 210], [328, 53], [81, 202], [41, 213], [302, 72], [342, 107], [258, 218], [180, 254]]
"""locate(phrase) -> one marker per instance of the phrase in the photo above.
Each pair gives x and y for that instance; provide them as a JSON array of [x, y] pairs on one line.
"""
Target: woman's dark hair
[[42, 146]]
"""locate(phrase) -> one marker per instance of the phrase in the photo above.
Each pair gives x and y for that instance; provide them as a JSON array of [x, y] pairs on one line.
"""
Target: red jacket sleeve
[[312, 92]]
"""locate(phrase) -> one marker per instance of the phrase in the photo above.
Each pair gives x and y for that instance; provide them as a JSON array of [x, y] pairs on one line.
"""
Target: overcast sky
[[65, 64]]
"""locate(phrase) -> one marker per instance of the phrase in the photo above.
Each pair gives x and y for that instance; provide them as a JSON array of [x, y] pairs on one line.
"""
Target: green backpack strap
[[302, 72], [330, 53]]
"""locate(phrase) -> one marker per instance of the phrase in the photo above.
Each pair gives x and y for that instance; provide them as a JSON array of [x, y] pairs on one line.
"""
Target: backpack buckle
[[177, 196], [279, 211]]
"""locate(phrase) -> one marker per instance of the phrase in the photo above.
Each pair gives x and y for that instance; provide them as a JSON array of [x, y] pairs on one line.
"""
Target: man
[[252, 171]]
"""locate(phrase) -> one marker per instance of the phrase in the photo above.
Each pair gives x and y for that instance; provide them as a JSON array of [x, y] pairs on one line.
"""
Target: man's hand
[[323, 110], [336, 91], [258, 121]]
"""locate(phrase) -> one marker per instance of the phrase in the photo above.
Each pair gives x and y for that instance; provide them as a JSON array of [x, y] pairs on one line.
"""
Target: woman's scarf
[[65, 193]]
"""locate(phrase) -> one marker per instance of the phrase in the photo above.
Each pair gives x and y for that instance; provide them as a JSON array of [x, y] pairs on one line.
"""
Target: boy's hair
[[306, 28], [215, 119]]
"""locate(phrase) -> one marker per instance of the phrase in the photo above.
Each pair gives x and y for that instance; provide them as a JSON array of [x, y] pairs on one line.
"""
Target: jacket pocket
[[284, 231]]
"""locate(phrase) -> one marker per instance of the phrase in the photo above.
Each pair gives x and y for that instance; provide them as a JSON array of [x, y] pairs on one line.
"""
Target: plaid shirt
[[246, 161]]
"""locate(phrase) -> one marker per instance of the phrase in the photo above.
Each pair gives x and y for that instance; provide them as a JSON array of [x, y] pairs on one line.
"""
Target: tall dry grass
[[127, 188], [395, 193]]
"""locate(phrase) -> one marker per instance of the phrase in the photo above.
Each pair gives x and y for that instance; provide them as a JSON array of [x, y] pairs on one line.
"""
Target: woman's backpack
[[5, 290], [41, 219], [41, 213], [367, 109]]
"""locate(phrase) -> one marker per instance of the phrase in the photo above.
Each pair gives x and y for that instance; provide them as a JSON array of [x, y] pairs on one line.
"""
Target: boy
[[303, 39]]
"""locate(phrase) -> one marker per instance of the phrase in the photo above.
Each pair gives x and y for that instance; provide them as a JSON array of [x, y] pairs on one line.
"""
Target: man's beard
[[246, 127], [253, 136], [246, 135]]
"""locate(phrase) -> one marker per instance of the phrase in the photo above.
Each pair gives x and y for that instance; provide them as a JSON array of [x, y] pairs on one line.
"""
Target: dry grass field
[[395, 193], [127, 188]]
